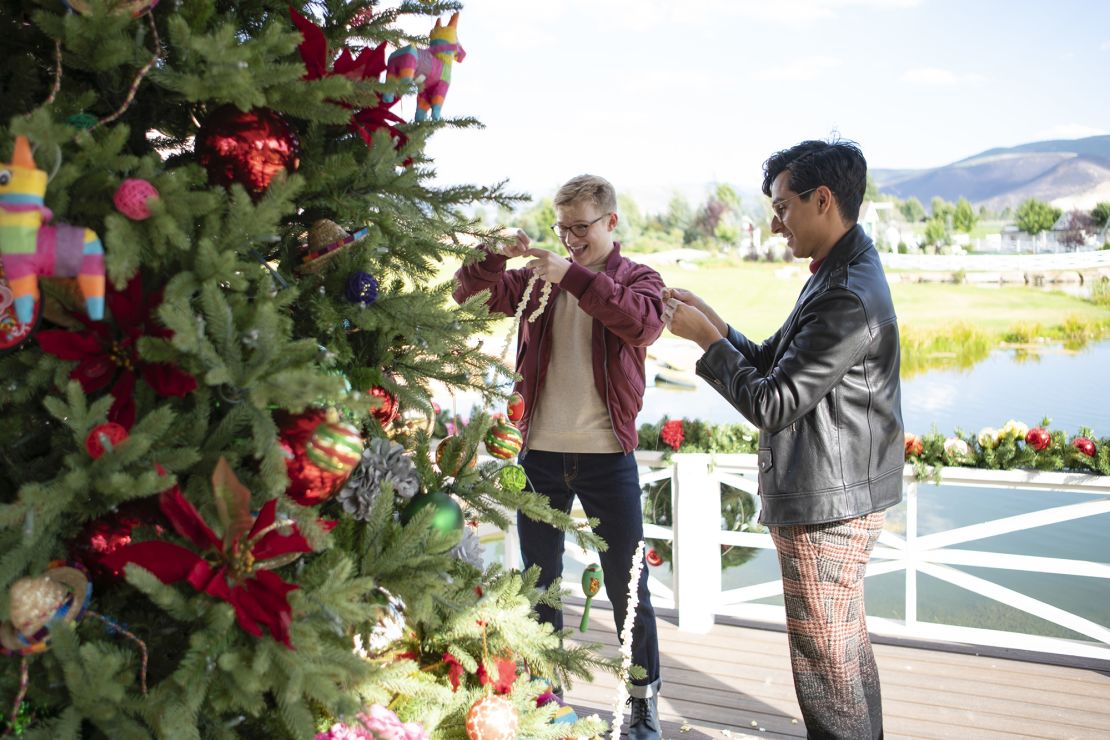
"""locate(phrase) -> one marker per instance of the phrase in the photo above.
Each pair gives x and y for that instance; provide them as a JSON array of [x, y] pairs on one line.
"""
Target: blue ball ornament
[[361, 288]]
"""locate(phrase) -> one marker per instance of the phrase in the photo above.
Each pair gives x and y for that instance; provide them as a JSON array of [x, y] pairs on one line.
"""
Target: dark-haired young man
[[824, 392]]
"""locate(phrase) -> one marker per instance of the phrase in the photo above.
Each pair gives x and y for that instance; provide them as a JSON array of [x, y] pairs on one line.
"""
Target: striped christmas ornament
[[503, 440], [452, 454], [334, 447]]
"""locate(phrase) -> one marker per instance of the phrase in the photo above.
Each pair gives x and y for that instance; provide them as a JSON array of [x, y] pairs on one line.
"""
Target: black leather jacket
[[824, 392]]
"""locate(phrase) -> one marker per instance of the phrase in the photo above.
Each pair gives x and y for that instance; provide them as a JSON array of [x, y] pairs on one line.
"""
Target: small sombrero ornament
[[325, 240], [62, 592]]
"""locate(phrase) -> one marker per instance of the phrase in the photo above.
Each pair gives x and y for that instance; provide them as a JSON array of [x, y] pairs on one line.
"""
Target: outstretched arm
[[505, 287], [831, 335]]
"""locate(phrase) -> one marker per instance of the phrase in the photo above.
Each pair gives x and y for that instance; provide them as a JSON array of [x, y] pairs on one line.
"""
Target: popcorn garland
[[626, 641], [545, 293]]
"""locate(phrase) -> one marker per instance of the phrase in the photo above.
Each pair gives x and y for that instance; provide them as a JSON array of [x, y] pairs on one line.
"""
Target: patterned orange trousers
[[835, 676]]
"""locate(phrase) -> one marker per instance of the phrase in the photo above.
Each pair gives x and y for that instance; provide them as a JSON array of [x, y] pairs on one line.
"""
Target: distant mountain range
[[1067, 173]]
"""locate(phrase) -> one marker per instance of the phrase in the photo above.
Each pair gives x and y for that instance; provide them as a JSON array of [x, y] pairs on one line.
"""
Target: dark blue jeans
[[608, 486]]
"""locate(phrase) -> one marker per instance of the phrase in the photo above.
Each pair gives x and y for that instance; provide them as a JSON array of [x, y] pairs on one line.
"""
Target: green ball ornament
[[448, 516], [512, 478], [503, 440], [335, 447]]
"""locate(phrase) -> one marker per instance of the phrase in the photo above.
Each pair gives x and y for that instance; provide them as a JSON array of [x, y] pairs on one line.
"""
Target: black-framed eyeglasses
[[779, 208], [578, 230]]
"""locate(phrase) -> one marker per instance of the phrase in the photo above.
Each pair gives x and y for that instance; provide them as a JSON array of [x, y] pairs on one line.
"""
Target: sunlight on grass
[[942, 324]]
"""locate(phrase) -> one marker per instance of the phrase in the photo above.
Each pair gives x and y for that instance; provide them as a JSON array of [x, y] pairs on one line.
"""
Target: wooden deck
[[734, 682]]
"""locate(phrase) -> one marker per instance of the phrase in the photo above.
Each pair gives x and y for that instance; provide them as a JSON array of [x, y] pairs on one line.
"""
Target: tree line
[[723, 223]]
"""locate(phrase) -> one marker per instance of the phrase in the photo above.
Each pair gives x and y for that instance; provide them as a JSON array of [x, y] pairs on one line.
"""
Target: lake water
[[1068, 387]]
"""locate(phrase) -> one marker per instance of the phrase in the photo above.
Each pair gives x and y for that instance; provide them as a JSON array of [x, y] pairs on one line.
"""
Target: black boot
[[644, 724]]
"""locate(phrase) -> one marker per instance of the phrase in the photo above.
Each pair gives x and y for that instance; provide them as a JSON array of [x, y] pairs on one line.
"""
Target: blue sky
[[664, 95]]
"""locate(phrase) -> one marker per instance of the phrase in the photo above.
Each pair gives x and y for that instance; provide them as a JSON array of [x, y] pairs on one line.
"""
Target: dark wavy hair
[[839, 165]]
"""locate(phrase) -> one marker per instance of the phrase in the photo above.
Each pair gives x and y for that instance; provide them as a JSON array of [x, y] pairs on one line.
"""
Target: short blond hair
[[588, 189]]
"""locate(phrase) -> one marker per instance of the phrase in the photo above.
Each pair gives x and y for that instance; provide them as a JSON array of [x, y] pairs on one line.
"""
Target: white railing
[[697, 539], [998, 262]]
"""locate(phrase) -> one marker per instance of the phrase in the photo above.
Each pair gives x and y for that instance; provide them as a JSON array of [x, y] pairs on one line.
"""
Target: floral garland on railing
[[1013, 447]]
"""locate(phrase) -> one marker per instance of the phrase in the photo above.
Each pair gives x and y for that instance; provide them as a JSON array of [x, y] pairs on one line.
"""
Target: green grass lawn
[[756, 297]]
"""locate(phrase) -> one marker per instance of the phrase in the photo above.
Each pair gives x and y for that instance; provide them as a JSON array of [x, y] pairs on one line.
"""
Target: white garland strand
[[545, 293], [626, 641]]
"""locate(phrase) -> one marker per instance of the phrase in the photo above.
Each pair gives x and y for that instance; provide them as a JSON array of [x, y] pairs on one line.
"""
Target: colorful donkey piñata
[[29, 249], [431, 67]]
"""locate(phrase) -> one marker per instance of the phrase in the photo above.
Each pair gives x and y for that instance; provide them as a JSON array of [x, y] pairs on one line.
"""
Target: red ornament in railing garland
[[503, 440], [1038, 438], [1084, 445]]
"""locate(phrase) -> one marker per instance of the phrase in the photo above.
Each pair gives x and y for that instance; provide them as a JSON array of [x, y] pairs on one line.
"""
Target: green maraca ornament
[[592, 580]]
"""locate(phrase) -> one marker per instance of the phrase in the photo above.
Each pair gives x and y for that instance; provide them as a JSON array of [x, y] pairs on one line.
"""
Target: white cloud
[[938, 77], [797, 70], [1070, 131]]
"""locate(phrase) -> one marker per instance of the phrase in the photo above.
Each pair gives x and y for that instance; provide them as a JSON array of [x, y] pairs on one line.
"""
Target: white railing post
[[511, 556], [696, 504], [911, 553]]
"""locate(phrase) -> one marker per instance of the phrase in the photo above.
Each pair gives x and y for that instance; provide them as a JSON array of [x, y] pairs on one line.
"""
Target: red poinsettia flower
[[503, 684], [673, 433], [368, 65], [108, 355], [236, 567]]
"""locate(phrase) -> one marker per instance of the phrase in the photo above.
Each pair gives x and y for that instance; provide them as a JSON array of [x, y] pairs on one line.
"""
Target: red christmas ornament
[[386, 411], [515, 409], [103, 438], [1084, 445], [131, 198], [653, 557], [246, 147], [1038, 438], [492, 718], [101, 537], [309, 484]]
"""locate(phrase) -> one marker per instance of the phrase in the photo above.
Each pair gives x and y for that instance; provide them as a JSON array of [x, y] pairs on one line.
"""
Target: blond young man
[[582, 377]]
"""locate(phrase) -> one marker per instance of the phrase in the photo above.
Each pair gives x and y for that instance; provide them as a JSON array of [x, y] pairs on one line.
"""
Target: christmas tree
[[219, 511]]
